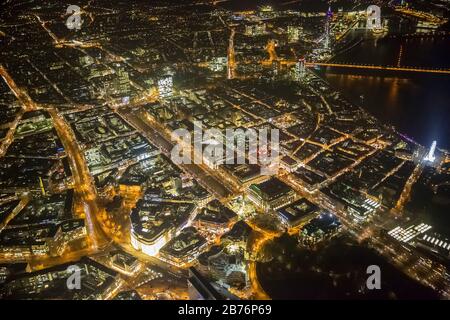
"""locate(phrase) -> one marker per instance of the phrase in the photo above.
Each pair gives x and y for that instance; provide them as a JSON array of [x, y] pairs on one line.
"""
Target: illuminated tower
[[165, 84], [329, 13], [122, 83], [301, 65], [293, 33], [430, 156], [231, 59], [299, 69]]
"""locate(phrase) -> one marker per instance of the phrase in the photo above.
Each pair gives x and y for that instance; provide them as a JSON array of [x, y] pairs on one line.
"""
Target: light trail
[[82, 179], [20, 94], [257, 289], [231, 56]]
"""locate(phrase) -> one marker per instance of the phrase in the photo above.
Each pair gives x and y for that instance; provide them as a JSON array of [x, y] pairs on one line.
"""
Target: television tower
[[430, 156]]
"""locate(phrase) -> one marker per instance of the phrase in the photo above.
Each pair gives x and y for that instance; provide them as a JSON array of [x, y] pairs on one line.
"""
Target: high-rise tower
[[299, 69], [430, 156]]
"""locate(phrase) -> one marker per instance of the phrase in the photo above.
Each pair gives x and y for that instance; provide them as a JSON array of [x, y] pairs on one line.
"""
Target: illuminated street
[[224, 150]]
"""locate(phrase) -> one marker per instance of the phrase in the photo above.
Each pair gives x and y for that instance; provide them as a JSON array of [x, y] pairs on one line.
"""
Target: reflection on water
[[417, 104]]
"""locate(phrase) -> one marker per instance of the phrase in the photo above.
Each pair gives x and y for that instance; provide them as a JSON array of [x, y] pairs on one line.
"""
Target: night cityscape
[[225, 150]]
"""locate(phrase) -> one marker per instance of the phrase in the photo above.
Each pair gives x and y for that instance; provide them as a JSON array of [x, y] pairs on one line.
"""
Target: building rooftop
[[216, 213], [271, 189], [184, 246], [298, 210], [151, 219]]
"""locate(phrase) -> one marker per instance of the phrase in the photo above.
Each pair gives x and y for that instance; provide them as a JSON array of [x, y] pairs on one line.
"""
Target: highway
[[257, 244], [83, 181], [24, 200], [10, 135], [231, 56], [24, 99], [21, 95]]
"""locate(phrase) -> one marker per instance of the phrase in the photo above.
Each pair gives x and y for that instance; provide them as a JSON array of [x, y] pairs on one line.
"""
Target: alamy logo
[[373, 17], [74, 280], [213, 148], [374, 280], [74, 21]]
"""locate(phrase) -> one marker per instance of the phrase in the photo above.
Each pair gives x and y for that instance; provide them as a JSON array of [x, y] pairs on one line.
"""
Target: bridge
[[431, 35], [375, 67], [421, 15]]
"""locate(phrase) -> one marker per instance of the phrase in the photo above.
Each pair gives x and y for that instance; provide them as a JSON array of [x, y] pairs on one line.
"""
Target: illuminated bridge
[[375, 67]]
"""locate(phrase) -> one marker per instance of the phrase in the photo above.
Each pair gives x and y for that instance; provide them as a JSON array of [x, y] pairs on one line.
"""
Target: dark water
[[337, 271], [417, 104]]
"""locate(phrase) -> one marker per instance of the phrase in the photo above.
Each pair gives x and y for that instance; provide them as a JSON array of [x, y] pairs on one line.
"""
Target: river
[[417, 104]]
